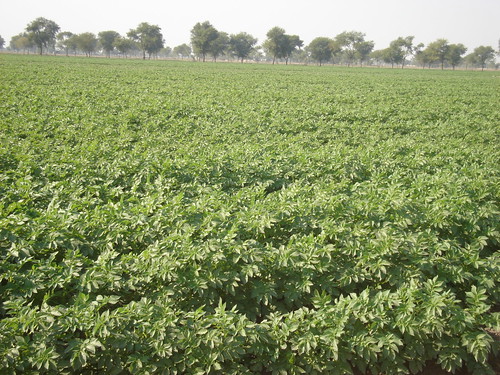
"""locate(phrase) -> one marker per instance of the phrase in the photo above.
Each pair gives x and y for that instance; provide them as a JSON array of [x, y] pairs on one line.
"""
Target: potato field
[[166, 217]]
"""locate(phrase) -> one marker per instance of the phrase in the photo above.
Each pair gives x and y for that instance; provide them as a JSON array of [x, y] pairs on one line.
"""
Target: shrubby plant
[[246, 219]]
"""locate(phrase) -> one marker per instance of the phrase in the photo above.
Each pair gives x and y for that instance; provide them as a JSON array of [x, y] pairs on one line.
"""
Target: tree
[[149, 38], [64, 41], [42, 32], [455, 53], [202, 36], [291, 44], [422, 56], [363, 50], [21, 42], [280, 45], [2, 42], [241, 45], [165, 52], [257, 54], [87, 43], [182, 51], [321, 49], [483, 54], [72, 43], [392, 54], [107, 40], [301, 55], [417, 50], [348, 41], [274, 42], [378, 56], [219, 45], [124, 45], [402, 48], [438, 51], [470, 59]]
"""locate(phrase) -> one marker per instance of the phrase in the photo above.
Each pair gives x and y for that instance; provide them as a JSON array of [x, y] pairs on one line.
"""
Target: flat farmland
[[189, 218]]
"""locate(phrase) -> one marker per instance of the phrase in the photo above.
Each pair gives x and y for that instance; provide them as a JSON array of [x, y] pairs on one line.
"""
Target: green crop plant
[[179, 218]]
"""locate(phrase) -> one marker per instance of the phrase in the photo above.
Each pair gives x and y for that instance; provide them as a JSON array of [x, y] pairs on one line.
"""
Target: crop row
[[178, 218]]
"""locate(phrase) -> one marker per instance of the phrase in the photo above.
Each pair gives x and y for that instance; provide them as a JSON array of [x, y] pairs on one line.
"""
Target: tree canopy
[[482, 54], [148, 37], [182, 51], [64, 40], [42, 32], [281, 45], [363, 50], [348, 47], [455, 53], [124, 45], [21, 42], [321, 49], [202, 36], [87, 42], [241, 45], [438, 51], [401, 49], [219, 45], [348, 41], [107, 40]]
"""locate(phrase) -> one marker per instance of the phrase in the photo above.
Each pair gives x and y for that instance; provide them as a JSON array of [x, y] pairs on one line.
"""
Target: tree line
[[349, 47]]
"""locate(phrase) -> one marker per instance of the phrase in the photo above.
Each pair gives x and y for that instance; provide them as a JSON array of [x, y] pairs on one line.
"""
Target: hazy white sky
[[472, 22]]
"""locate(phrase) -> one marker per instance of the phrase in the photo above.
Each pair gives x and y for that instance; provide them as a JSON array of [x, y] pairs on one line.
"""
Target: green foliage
[[85, 42], [363, 50], [455, 52], [165, 217], [107, 40], [21, 42], [42, 32], [219, 45], [280, 45], [349, 41], [182, 51], [321, 49], [148, 37], [482, 54], [438, 51], [203, 35], [242, 45], [65, 41], [400, 49], [124, 45]]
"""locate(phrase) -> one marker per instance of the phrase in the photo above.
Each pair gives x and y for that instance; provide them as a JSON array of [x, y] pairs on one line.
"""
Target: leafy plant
[[160, 217]]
